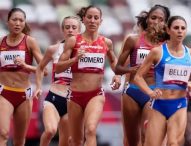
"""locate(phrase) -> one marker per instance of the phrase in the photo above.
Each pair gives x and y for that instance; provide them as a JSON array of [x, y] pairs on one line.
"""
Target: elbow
[[117, 71], [57, 69]]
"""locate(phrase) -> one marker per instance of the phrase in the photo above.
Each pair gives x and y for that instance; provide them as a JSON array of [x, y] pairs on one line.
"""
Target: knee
[[19, 142], [75, 142], [90, 130], [50, 132], [4, 134], [174, 143]]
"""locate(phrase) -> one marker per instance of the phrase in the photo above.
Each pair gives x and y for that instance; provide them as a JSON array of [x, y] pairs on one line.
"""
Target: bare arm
[[128, 45], [111, 55], [35, 49], [152, 58], [65, 61], [41, 67], [116, 81]]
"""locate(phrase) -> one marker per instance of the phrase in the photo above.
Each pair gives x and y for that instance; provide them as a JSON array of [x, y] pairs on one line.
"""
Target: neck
[[176, 46], [90, 36], [14, 37]]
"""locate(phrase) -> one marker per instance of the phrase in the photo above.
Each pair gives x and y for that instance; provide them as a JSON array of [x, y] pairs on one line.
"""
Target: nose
[[71, 29], [92, 19], [156, 21], [17, 22]]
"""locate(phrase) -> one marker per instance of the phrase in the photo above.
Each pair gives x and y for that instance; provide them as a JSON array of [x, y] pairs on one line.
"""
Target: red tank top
[[94, 59], [140, 52], [8, 54]]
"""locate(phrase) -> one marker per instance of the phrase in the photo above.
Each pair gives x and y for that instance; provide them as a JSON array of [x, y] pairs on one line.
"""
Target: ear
[[101, 20], [167, 29]]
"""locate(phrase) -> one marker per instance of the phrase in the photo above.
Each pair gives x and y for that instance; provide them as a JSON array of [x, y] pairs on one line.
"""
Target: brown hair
[[82, 12]]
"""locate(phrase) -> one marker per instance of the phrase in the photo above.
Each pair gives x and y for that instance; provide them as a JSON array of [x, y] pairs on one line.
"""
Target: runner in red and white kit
[[55, 104], [86, 54]]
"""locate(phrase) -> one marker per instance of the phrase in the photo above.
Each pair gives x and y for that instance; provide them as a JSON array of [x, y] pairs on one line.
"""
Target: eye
[[183, 28], [89, 16], [67, 27], [74, 27]]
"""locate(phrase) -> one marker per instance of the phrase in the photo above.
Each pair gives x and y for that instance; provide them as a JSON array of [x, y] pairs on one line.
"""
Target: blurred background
[[44, 17]]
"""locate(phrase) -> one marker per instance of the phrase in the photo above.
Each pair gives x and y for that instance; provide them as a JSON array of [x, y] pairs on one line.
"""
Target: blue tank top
[[173, 72]]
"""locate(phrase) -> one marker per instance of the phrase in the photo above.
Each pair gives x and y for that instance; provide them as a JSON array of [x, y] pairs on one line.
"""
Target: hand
[[80, 54], [37, 93], [20, 62], [134, 69], [156, 93], [116, 82]]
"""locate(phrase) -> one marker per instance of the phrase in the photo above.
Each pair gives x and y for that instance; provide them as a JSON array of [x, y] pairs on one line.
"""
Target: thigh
[[94, 110], [154, 136], [21, 118], [6, 111], [76, 120], [176, 126], [188, 130], [50, 116], [131, 113]]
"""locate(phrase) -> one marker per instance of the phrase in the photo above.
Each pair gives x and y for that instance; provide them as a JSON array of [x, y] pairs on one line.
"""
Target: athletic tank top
[[140, 52], [94, 59], [8, 54], [173, 72], [64, 77]]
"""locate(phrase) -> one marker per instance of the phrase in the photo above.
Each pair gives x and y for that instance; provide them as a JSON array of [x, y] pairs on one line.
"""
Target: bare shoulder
[[132, 37], [157, 49], [52, 48], [108, 42], [71, 40], [130, 41], [156, 53], [30, 39]]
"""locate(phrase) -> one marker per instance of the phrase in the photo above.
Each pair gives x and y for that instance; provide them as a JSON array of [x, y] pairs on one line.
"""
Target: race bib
[[178, 74], [141, 55], [8, 57], [94, 60], [29, 93], [67, 74]]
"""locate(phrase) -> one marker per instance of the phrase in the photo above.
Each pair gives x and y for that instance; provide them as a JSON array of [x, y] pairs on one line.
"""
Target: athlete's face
[[92, 19], [156, 18], [16, 22], [177, 30], [70, 27]]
